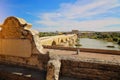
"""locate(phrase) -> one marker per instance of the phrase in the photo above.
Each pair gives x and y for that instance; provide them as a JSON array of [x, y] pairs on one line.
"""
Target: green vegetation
[[78, 43], [108, 36], [44, 34]]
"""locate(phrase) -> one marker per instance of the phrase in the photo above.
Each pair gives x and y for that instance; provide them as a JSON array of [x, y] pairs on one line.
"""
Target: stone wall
[[35, 61], [14, 47], [13, 34], [19, 45], [90, 71], [87, 68], [113, 52]]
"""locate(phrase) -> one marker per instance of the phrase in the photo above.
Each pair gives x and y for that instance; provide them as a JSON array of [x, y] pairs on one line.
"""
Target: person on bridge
[[78, 51]]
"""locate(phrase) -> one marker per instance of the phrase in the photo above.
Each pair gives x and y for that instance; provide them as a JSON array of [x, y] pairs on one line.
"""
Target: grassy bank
[[108, 36]]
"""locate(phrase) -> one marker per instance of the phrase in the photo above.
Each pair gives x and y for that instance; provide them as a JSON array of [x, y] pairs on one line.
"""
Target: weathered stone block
[[53, 69], [15, 47], [16, 39]]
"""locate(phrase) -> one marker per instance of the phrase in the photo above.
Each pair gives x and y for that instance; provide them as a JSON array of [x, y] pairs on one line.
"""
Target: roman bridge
[[23, 57], [59, 40]]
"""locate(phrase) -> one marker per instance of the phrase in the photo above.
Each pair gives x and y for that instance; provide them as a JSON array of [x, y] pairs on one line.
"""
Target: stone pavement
[[84, 56]]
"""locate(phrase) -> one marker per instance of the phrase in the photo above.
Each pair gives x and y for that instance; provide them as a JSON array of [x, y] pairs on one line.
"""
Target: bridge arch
[[53, 43], [62, 41], [67, 39]]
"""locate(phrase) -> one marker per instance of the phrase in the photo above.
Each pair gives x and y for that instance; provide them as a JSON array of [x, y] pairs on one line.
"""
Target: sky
[[65, 15]]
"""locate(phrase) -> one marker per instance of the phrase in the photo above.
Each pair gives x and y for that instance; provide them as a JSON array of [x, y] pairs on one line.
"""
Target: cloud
[[74, 15], [94, 8], [67, 25]]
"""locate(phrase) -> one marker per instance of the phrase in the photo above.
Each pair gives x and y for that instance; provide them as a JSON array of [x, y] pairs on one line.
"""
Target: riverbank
[[107, 36], [97, 44]]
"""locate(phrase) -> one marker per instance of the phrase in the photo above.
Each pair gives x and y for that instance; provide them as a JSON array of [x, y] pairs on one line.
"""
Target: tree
[[119, 41]]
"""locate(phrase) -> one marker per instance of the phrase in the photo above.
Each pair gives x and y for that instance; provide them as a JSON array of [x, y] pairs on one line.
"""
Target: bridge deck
[[100, 57]]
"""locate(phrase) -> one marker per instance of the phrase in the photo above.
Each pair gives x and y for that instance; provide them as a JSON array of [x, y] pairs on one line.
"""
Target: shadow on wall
[[62, 41], [53, 43]]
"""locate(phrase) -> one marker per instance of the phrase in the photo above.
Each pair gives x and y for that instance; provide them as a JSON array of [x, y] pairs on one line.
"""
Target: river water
[[97, 44]]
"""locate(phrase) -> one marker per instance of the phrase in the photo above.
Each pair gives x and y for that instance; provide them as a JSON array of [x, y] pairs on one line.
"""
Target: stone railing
[[102, 51]]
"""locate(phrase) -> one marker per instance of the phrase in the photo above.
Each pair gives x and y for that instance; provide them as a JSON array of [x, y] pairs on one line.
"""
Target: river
[[97, 44]]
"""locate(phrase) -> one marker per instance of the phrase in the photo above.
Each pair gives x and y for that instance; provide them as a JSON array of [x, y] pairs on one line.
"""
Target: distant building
[[75, 31]]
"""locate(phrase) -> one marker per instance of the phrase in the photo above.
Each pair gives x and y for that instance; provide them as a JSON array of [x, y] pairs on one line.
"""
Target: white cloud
[[97, 7], [66, 17], [65, 25]]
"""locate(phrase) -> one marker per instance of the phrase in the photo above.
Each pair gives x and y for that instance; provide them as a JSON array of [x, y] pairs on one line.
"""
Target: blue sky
[[65, 15]]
